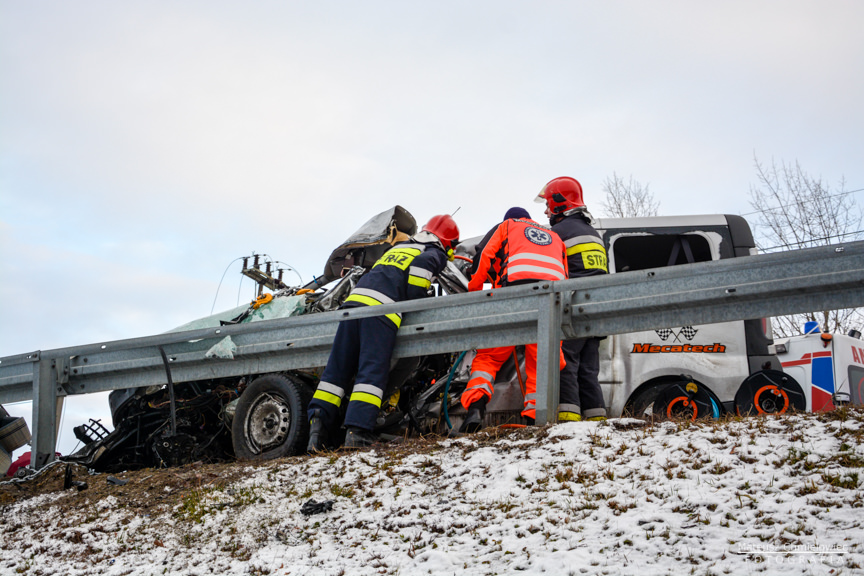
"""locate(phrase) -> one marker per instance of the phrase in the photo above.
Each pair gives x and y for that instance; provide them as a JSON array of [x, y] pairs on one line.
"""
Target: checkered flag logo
[[664, 333], [688, 332]]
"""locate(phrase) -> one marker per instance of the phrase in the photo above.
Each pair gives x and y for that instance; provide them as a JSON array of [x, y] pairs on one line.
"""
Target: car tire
[[270, 420]]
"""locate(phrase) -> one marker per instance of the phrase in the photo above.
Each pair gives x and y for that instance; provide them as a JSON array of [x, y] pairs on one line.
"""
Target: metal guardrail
[[759, 286]]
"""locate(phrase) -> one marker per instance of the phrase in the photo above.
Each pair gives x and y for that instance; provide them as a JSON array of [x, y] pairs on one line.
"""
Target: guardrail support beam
[[548, 358], [44, 434]]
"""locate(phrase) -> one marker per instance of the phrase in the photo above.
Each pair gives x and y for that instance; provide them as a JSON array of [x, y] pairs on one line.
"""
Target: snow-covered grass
[[770, 495]]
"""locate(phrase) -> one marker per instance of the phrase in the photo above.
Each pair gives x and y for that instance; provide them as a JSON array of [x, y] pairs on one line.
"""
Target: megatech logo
[[686, 332], [715, 348]]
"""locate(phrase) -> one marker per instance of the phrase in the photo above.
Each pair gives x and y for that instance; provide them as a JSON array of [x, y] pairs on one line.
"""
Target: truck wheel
[[769, 392], [270, 421], [642, 404], [686, 400]]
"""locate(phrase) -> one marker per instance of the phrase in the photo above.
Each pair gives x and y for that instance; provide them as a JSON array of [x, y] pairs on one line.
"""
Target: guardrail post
[[44, 434], [548, 358]]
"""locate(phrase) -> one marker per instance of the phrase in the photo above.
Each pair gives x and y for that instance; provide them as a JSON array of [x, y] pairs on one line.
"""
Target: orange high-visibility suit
[[519, 251]]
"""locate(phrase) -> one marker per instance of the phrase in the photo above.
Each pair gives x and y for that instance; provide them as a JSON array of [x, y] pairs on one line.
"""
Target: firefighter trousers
[[580, 387], [362, 347]]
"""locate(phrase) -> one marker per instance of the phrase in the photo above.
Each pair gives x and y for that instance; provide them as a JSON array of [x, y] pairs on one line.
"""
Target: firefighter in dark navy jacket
[[581, 396], [362, 347]]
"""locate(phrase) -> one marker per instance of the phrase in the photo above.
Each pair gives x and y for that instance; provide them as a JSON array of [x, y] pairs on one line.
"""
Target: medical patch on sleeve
[[538, 236]]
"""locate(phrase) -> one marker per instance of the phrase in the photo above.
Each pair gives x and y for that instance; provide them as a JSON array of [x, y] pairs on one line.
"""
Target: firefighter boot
[[474, 420], [317, 434], [359, 438]]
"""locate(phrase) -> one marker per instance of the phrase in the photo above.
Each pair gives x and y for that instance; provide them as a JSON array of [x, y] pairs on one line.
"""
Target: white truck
[[732, 367], [652, 371]]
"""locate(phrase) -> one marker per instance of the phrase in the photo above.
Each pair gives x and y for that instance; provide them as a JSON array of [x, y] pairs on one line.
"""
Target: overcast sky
[[144, 146]]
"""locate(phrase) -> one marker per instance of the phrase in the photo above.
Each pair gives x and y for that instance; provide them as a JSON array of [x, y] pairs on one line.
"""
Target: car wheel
[[270, 421]]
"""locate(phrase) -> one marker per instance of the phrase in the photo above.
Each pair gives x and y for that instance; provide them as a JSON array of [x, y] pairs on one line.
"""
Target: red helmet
[[444, 227], [562, 194]]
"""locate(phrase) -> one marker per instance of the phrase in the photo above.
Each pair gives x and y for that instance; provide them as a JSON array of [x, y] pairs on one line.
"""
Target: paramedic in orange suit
[[517, 251]]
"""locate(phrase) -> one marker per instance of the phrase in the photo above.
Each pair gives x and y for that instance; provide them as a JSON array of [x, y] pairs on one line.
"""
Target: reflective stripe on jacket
[[520, 250], [586, 255], [404, 272]]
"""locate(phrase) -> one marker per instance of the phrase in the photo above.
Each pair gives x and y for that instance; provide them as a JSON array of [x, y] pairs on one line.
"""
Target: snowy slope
[[772, 495]]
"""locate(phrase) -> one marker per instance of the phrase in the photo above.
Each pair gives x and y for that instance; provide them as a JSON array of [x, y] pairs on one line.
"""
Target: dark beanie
[[516, 212]]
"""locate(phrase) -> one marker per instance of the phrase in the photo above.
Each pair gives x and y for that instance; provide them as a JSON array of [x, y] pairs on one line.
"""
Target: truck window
[[640, 252]]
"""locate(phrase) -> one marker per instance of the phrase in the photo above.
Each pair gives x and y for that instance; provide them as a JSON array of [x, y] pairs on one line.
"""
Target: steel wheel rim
[[268, 423]]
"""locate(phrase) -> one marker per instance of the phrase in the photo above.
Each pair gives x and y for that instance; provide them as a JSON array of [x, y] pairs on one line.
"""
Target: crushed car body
[[263, 416]]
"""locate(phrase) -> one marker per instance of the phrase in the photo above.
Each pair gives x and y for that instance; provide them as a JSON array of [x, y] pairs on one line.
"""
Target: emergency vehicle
[[828, 367]]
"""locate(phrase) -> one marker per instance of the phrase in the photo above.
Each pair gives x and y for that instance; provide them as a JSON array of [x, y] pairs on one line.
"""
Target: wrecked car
[[263, 416]]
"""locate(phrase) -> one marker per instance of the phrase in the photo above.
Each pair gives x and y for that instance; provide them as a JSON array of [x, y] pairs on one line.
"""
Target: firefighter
[[581, 396], [362, 347], [517, 251]]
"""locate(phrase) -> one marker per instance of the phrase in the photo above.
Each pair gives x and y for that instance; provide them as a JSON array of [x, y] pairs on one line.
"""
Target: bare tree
[[796, 210], [627, 199]]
